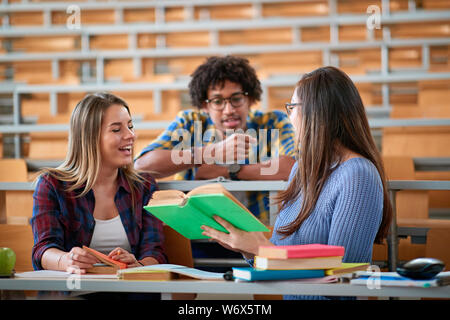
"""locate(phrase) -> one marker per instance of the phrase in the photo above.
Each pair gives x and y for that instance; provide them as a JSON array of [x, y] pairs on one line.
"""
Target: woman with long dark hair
[[337, 191]]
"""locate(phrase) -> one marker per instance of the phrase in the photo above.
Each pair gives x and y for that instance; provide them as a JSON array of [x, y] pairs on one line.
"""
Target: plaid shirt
[[62, 220], [258, 202]]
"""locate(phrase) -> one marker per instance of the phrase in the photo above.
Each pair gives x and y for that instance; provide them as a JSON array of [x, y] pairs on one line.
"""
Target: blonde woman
[[95, 198]]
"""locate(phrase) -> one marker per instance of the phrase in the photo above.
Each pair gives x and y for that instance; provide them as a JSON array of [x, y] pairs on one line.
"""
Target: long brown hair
[[332, 115], [82, 164]]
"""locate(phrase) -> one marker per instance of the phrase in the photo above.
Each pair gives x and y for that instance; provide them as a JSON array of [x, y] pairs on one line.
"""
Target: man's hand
[[234, 148]]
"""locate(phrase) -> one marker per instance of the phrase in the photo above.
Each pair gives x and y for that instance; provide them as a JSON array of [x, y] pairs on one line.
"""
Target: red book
[[105, 259], [301, 251]]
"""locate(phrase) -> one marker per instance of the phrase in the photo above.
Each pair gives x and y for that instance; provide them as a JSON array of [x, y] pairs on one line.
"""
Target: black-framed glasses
[[236, 100], [290, 106]]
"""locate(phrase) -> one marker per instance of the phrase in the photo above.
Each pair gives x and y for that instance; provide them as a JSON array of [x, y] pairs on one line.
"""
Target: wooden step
[[46, 43], [435, 4], [109, 42], [440, 58], [188, 39], [293, 9], [410, 30], [256, 36], [224, 12], [297, 63], [352, 33], [405, 57], [87, 17], [416, 141], [145, 15], [32, 18], [175, 14], [315, 34], [117, 69], [360, 61], [355, 6]]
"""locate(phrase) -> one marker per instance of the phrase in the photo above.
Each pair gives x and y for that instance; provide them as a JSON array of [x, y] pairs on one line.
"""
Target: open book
[[52, 274], [186, 213], [166, 272]]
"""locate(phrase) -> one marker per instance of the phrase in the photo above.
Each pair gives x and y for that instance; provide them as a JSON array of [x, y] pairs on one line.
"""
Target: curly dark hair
[[218, 69]]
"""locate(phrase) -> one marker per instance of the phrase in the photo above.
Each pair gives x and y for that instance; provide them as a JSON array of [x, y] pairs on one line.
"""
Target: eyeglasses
[[236, 100], [290, 106]]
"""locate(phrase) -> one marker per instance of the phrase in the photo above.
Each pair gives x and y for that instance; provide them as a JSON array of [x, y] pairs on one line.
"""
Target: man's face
[[230, 113]]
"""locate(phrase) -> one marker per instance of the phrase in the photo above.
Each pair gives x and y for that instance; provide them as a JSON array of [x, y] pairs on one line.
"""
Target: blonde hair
[[82, 164]]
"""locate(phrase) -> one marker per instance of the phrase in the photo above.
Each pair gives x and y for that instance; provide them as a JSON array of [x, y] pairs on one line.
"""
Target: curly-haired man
[[223, 89]]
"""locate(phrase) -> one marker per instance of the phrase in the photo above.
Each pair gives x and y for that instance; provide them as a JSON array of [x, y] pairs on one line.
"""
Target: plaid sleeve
[[47, 229], [286, 134], [164, 141], [152, 236]]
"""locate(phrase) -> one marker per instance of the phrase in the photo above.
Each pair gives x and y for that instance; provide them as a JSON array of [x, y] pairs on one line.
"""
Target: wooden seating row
[[355, 62], [419, 99], [244, 10]]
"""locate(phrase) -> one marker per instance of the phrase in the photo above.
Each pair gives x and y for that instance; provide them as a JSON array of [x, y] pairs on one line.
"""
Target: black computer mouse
[[421, 268]]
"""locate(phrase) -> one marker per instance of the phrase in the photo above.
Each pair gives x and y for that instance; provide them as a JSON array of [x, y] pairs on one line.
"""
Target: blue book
[[252, 274]]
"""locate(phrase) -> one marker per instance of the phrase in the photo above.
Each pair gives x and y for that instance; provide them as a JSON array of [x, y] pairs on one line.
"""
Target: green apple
[[7, 261]]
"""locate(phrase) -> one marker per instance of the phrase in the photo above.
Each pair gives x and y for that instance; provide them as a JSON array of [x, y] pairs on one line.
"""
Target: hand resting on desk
[[77, 260]]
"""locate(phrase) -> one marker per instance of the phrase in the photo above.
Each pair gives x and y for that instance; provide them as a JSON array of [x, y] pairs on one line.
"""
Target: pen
[[228, 276]]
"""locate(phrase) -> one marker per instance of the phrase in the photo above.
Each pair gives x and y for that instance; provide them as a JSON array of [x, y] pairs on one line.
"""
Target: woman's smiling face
[[117, 137]]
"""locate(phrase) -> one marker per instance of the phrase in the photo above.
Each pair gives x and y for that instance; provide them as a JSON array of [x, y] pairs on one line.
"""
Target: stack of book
[[299, 257], [297, 262]]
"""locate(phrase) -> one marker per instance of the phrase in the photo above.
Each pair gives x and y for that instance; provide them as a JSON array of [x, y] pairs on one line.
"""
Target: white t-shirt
[[108, 235]]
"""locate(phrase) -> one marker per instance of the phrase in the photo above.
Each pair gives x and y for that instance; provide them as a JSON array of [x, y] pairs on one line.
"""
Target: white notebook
[[51, 274]]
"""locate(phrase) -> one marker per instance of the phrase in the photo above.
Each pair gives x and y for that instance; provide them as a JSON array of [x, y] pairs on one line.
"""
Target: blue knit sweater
[[348, 213]]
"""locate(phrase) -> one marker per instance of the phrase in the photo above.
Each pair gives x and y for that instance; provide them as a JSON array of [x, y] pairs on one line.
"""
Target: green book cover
[[187, 215]]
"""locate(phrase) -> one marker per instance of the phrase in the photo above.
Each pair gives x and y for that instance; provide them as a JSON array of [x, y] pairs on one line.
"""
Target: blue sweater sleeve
[[357, 213]]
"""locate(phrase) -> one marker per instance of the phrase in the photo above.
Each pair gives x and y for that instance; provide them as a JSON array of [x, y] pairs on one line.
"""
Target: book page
[[164, 197], [207, 189], [190, 272], [221, 205], [51, 274], [215, 188]]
